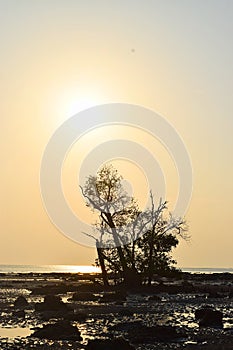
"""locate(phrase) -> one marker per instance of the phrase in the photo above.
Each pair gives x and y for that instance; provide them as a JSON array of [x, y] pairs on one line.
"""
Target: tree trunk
[[150, 262], [117, 242], [102, 265], [130, 275]]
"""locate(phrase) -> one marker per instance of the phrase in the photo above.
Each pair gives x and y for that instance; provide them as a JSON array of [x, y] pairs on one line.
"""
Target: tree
[[153, 248], [105, 194], [129, 242]]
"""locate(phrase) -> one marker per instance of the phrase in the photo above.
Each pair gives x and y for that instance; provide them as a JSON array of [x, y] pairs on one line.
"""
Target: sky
[[59, 57]]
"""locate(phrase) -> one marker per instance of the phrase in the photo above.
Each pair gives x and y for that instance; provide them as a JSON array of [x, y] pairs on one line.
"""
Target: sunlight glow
[[80, 269], [76, 100]]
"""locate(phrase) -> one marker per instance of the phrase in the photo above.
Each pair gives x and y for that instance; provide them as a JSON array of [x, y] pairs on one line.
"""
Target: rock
[[50, 314], [61, 330], [107, 344], [215, 295], [20, 303], [208, 317], [129, 311], [60, 288], [68, 315], [84, 296], [221, 346], [144, 334], [186, 283], [154, 298], [19, 313], [51, 303], [113, 296], [90, 287], [75, 316], [125, 326]]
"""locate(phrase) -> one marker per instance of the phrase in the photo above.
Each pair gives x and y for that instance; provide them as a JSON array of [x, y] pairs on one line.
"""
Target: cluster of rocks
[[54, 307], [134, 332], [138, 333], [51, 303]]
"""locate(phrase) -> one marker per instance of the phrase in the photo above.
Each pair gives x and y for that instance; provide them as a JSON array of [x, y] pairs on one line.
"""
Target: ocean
[[91, 269], [48, 269], [207, 269]]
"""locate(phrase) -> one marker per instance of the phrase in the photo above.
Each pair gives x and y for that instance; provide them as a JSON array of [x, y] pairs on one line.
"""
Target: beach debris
[[208, 317], [51, 303], [20, 303], [61, 330], [106, 344]]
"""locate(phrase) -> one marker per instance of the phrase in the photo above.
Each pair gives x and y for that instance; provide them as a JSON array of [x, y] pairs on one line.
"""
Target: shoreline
[[100, 313]]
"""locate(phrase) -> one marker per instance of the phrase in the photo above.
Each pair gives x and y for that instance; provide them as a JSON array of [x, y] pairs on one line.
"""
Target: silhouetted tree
[[105, 194], [153, 249], [130, 243]]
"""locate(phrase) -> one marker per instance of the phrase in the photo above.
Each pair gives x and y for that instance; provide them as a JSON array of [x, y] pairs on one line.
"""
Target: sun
[[77, 100]]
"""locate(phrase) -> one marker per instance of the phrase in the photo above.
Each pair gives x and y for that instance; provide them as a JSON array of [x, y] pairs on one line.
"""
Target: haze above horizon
[[58, 58]]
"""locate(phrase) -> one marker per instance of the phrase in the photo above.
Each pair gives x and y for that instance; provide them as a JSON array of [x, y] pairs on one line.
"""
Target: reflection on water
[[49, 269], [14, 332]]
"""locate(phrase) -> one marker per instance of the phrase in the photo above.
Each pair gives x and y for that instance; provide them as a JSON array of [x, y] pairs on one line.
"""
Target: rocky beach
[[74, 311]]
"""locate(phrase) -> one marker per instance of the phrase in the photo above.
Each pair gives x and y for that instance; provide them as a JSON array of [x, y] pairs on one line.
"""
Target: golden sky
[[59, 57]]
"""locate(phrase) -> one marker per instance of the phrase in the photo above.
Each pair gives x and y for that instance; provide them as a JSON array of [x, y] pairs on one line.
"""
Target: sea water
[[91, 269], [48, 269]]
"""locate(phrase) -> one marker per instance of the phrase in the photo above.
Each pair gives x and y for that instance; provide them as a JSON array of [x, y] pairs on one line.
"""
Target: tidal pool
[[14, 332]]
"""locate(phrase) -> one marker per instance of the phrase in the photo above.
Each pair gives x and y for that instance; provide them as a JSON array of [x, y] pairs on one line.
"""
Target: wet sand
[[107, 314]]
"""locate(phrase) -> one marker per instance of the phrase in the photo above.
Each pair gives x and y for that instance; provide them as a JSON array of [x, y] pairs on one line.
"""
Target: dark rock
[[20, 303], [107, 344], [51, 303], [69, 316], [186, 283], [75, 316], [61, 330], [90, 287], [60, 288], [154, 298], [144, 334], [125, 326], [215, 295], [208, 317], [113, 296], [19, 313], [119, 302], [51, 314], [129, 311], [84, 296], [200, 296]]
